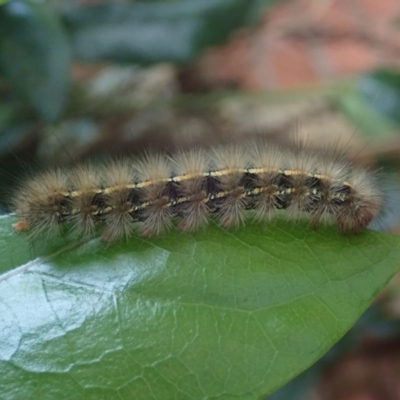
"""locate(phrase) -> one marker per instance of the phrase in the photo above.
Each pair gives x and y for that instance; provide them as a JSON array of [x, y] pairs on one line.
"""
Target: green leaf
[[366, 119], [259, 8], [381, 89], [154, 31], [215, 314], [35, 55]]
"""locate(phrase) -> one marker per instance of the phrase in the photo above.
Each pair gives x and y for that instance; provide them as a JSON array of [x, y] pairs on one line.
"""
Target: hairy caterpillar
[[190, 186]]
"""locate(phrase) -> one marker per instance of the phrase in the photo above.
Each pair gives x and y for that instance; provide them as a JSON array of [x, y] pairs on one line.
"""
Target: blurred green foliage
[[35, 55], [36, 41]]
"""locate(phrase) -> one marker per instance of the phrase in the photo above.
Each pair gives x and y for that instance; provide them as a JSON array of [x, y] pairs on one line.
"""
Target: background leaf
[[212, 315], [35, 55], [147, 32], [381, 89]]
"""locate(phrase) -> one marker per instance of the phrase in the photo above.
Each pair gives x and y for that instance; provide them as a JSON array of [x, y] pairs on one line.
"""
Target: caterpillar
[[190, 186]]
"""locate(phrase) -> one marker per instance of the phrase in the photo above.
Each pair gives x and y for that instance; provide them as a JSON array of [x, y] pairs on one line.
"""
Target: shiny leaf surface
[[212, 315]]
